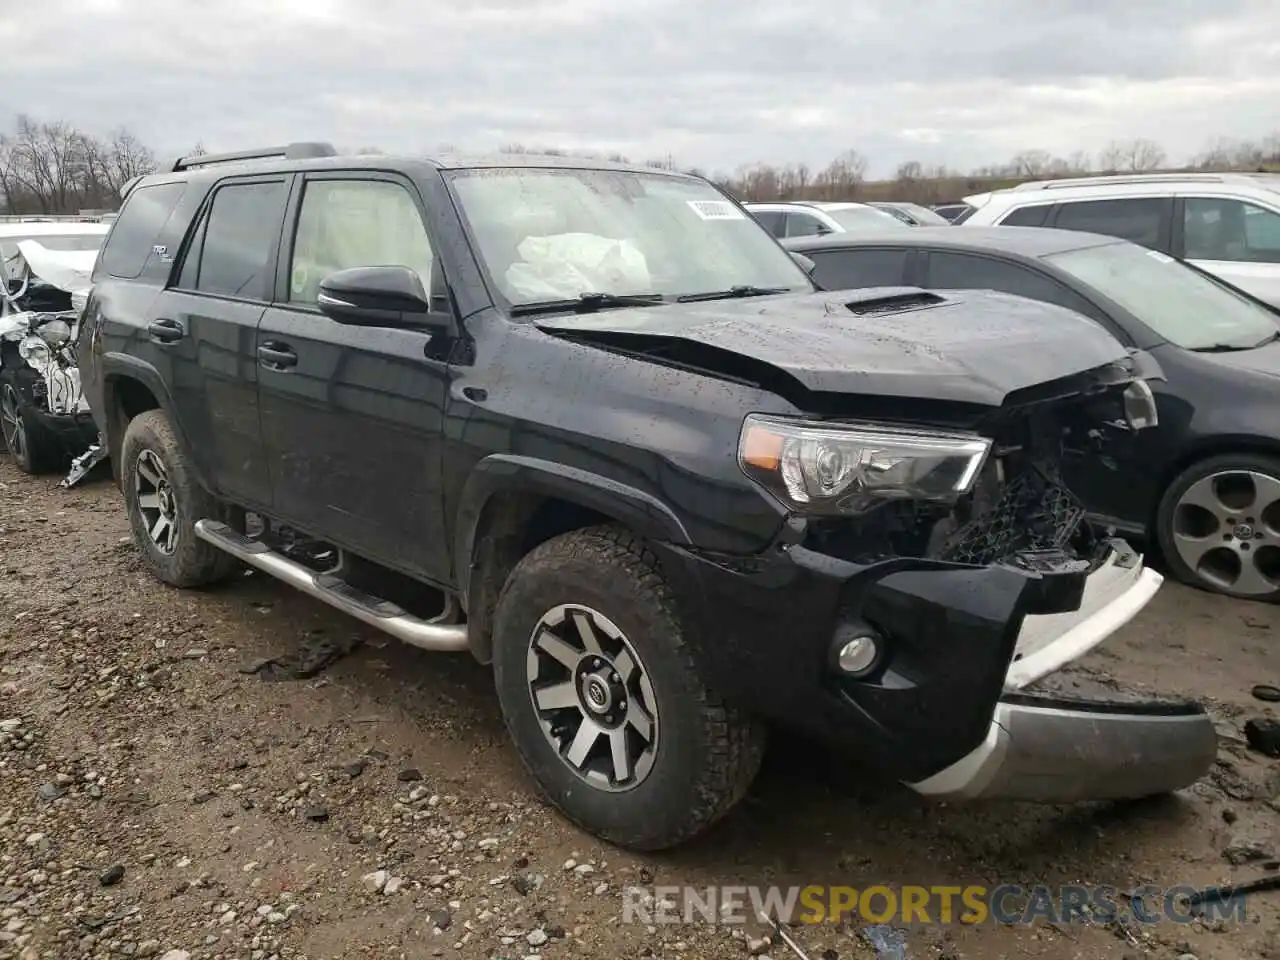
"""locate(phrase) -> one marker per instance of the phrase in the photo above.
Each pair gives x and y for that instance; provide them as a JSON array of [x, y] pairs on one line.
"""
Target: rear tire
[[33, 448], [701, 753], [164, 500]]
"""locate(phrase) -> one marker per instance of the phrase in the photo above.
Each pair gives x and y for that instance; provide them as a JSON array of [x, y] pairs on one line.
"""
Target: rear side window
[[771, 220], [849, 269], [805, 225], [1137, 220], [1027, 216], [961, 271], [231, 254], [145, 213]]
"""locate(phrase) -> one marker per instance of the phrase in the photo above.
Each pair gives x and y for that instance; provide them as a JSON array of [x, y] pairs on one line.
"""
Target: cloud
[[711, 83]]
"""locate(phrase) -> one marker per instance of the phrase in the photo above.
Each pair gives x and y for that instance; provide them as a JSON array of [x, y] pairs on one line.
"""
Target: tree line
[[52, 168]]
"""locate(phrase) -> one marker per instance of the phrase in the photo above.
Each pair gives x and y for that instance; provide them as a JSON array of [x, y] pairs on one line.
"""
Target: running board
[[437, 634]]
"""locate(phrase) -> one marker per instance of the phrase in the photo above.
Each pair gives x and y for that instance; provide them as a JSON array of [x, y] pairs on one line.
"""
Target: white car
[[815, 218], [45, 270], [1228, 224]]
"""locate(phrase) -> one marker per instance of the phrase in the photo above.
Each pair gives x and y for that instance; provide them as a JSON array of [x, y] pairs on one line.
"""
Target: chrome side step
[[439, 634]]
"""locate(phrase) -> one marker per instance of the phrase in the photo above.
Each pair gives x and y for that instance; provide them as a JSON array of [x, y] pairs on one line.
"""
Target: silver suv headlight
[[841, 469]]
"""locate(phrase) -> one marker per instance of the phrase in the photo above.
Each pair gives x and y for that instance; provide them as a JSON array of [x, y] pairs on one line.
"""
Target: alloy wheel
[[1226, 529], [11, 423], [156, 501], [593, 697]]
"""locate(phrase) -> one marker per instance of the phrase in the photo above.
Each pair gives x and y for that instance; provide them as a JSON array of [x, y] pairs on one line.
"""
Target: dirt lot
[[246, 816]]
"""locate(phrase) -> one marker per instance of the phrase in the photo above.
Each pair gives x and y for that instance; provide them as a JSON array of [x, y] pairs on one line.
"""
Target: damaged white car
[[45, 271]]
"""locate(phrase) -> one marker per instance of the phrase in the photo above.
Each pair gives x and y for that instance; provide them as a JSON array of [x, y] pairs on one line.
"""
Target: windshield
[[558, 234], [863, 218], [1178, 303]]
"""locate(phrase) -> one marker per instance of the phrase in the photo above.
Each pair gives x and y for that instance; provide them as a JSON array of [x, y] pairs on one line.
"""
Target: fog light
[[859, 655]]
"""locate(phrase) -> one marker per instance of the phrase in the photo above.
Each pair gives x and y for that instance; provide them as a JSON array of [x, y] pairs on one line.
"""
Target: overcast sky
[[713, 83]]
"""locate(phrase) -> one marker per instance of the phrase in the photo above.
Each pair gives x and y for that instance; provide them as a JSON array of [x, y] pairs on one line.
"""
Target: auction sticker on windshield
[[716, 210]]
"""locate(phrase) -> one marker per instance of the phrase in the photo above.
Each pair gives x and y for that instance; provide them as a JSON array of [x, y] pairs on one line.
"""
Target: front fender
[[113, 367], [505, 473]]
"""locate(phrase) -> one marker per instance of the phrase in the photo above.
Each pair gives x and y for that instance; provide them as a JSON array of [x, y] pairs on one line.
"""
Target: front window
[[1230, 230], [863, 218], [549, 235], [1177, 302]]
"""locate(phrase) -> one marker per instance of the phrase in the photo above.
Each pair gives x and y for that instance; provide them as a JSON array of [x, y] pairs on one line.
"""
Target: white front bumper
[[1113, 595]]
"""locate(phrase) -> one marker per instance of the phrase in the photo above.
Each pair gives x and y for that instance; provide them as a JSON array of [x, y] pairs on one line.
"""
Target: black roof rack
[[289, 151]]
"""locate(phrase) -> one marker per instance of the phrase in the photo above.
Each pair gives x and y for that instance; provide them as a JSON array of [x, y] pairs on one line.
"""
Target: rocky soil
[[163, 796]]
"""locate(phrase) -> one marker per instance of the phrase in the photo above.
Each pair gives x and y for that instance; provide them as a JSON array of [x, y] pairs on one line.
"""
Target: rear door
[[1235, 239], [205, 323], [353, 416]]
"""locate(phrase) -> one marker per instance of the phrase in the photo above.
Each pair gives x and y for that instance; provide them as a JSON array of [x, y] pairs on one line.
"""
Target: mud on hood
[[962, 346]]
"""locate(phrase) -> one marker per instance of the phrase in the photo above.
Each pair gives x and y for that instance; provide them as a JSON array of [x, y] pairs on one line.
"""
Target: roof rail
[[289, 151], [1125, 178]]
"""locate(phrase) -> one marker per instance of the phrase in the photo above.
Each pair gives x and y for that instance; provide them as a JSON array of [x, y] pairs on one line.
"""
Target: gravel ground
[[158, 799]]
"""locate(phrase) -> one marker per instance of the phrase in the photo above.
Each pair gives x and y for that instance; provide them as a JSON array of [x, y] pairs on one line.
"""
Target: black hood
[[969, 347]]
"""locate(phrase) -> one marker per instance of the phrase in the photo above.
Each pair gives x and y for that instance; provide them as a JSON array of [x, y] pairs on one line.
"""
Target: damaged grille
[[1033, 519]]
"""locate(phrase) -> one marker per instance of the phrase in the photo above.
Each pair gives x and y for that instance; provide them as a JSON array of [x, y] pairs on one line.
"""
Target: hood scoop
[[881, 302]]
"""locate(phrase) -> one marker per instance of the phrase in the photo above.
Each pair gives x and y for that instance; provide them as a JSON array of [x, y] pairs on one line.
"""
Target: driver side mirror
[[391, 297], [805, 264]]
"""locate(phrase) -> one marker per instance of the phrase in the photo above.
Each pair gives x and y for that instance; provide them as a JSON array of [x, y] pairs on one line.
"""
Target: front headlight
[[819, 468]]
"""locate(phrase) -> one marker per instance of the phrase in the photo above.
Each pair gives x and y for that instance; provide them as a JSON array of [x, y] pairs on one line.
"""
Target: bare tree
[[842, 177], [1132, 156], [1032, 164]]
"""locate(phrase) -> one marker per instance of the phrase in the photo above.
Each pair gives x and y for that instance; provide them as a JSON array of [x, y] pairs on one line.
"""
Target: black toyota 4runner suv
[[592, 424]]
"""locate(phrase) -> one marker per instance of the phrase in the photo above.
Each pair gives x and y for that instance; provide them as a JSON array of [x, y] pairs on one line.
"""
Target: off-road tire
[[193, 562], [43, 452], [708, 753], [1165, 516]]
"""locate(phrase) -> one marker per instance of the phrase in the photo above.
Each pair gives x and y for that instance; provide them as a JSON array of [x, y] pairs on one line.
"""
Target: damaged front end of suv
[[43, 411], [932, 568]]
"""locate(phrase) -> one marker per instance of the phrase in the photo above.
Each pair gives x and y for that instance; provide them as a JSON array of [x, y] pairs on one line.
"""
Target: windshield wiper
[[1270, 338], [742, 290], [587, 303]]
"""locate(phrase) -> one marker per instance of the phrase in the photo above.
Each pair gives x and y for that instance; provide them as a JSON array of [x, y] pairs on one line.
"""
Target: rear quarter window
[[130, 243], [1027, 216]]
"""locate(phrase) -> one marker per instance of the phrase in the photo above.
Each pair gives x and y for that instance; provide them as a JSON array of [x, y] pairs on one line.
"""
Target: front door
[[352, 417], [1236, 240]]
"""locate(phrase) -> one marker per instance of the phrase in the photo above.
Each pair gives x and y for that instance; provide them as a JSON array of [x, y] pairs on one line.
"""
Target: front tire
[[164, 500], [603, 699], [1218, 526]]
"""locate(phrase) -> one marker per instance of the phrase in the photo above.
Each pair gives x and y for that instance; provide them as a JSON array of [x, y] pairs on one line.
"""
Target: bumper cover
[[948, 711], [1055, 750]]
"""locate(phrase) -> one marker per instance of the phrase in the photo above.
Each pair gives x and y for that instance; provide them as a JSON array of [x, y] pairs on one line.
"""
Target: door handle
[[277, 356], [165, 330]]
